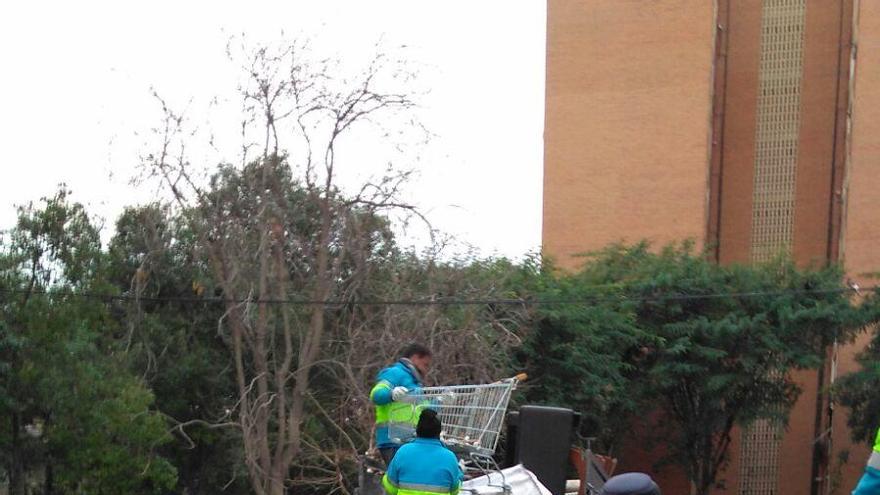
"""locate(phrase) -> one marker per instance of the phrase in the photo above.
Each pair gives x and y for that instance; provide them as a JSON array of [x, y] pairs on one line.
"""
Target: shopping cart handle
[[521, 377]]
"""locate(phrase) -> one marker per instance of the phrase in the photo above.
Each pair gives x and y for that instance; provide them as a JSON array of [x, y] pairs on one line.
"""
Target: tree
[[858, 392], [582, 351], [171, 333], [717, 344], [471, 343], [78, 420], [271, 238], [171, 340]]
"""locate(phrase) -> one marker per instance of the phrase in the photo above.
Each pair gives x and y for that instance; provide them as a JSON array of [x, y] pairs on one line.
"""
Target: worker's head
[[429, 424], [419, 355]]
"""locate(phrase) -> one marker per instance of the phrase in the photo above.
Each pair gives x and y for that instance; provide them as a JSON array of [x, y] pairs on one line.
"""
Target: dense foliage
[[116, 373], [858, 392], [683, 349]]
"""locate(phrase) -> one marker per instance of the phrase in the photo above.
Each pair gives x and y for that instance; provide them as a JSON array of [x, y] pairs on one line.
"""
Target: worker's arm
[[381, 393], [389, 388], [390, 481], [869, 484]]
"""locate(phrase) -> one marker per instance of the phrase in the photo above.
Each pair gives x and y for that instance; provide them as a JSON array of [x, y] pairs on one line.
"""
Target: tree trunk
[[48, 488], [16, 464], [276, 485]]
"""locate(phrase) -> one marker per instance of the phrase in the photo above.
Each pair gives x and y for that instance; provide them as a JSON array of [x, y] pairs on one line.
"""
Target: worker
[[424, 466], [869, 484], [395, 417]]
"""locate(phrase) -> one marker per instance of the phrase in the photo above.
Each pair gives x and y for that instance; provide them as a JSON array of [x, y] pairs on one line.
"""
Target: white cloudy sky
[[76, 77]]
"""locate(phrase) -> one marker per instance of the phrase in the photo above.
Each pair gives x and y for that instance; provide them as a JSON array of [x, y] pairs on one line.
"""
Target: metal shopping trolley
[[472, 415]]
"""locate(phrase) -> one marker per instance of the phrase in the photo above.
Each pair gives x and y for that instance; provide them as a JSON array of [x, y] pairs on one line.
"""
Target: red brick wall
[[627, 124]]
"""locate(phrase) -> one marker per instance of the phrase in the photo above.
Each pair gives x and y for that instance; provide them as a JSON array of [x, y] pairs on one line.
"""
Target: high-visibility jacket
[[869, 484], [395, 421], [423, 467]]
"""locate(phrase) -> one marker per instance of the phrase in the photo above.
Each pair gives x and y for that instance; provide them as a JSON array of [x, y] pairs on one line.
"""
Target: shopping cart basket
[[472, 415]]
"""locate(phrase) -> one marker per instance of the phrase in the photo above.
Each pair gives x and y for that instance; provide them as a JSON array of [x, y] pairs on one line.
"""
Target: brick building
[[750, 126]]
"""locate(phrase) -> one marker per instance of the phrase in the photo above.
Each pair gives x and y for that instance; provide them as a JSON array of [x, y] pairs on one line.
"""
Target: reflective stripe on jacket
[[423, 467]]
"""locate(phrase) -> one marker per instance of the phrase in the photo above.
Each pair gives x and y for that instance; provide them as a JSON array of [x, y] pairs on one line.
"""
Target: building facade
[[749, 126]]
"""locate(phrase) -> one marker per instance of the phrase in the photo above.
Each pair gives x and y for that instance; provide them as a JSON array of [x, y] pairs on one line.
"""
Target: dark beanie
[[429, 425]]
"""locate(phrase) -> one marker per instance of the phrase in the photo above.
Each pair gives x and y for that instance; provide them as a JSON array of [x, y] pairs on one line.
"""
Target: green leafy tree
[[79, 421], [170, 338], [858, 392], [730, 337], [714, 346], [582, 350]]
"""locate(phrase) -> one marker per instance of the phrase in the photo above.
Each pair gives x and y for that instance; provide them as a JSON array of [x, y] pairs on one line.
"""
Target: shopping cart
[[472, 415]]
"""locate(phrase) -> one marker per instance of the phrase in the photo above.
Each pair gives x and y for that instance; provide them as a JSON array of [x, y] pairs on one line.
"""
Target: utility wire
[[441, 301]]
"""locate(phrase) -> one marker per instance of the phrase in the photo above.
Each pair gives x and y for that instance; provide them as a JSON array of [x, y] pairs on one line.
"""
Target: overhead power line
[[439, 301]]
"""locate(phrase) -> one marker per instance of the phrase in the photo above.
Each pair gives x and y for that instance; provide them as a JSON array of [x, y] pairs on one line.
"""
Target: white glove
[[399, 393]]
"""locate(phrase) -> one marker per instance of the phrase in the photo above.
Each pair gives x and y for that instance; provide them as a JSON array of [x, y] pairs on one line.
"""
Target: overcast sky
[[76, 78]]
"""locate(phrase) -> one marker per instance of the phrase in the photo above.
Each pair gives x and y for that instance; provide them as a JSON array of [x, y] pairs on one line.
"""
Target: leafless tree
[[280, 244], [471, 343], [284, 240]]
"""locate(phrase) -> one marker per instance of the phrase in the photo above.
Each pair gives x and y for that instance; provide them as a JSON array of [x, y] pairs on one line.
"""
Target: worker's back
[[424, 463], [424, 466]]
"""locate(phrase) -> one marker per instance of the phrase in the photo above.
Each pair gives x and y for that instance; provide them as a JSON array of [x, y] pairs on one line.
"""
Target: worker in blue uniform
[[424, 466], [869, 484], [396, 417]]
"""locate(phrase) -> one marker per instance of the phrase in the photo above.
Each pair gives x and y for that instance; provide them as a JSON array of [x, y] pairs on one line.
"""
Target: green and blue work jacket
[[423, 467], [396, 421], [869, 484]]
